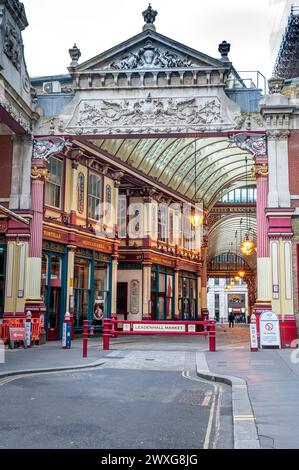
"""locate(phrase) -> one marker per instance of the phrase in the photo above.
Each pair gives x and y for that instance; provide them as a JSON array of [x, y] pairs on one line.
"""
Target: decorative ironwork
[[287, 62], [44, 148], [253, 143]]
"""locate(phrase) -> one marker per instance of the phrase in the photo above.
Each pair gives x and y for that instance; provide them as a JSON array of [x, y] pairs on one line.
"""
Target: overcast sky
[[97, 25]]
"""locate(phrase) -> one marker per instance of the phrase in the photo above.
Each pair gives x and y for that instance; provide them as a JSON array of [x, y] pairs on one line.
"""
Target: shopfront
[[187, 295], [2, 274], [53, 287], [91, 285], [162, 293]]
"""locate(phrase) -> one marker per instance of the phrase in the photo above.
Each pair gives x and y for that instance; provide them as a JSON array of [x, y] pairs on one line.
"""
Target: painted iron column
[[263, 256]]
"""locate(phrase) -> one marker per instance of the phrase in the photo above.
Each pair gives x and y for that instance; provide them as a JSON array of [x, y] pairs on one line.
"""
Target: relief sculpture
[[150, 111]]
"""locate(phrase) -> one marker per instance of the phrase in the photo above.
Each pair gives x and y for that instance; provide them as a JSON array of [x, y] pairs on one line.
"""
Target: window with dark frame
[[53, 186], [94, 196]]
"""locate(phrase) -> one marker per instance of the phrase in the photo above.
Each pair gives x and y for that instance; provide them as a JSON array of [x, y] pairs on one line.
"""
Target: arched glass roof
[[171, 161], [222, 237]]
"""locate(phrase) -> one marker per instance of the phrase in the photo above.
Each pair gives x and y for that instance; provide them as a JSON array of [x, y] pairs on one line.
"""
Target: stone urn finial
[[224, 49], [75, 54], [149, 16], [275, 85]]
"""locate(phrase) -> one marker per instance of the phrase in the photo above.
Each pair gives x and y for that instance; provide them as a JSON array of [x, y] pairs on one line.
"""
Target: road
[[137, 399]]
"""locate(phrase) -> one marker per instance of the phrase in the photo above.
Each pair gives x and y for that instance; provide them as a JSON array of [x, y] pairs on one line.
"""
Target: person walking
[[231, 319]]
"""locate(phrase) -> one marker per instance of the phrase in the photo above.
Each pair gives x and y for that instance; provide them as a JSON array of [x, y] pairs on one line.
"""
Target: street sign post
[[253, 334]]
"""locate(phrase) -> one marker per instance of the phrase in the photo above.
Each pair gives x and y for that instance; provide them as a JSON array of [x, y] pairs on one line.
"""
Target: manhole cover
[[190, 397]]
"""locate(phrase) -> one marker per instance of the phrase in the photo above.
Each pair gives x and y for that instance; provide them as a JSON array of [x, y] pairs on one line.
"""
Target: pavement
[[264, 384]]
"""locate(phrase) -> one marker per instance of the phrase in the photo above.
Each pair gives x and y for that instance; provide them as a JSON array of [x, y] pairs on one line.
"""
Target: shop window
[[187, 297], [122, 216], [81, 183], [162, 294], [94, 196], [82, 290], [162, 222], [154, 222], [171, 228], [101, 287], [108, 203], [53, 186]]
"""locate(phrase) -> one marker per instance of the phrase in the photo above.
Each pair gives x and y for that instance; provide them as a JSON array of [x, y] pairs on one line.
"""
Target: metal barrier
[[111, 329]]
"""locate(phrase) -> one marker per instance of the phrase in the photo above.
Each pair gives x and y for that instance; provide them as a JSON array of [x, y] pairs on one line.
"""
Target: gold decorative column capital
[[260, 169], [39, 173]]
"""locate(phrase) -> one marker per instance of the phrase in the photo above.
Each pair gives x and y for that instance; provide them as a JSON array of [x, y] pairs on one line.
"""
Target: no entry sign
[[269, 330]]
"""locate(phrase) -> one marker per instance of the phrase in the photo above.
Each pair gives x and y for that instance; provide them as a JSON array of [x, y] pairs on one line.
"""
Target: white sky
[[97, 25]]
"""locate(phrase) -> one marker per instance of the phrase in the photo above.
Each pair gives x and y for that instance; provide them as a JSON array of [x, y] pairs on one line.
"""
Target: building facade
[[118, 159]]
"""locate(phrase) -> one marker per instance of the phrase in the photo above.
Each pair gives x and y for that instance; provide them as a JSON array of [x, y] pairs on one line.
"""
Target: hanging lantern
[[196, 219], [237, 278], [241, 274], [247, 247], [232, 283]]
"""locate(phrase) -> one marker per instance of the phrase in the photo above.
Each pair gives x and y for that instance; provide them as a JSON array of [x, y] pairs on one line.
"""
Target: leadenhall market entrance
[[165, 125]]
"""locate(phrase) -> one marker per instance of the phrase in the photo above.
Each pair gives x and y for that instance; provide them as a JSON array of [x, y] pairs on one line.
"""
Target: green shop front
[[92, 278]]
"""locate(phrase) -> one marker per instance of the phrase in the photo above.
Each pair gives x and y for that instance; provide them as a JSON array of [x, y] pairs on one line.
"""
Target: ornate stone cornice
[[278, 134]]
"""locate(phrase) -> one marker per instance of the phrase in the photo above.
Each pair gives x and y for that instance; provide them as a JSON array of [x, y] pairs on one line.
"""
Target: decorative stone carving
[[149, 15], [275, 85], [75, 54], [12, 45], [253, 143], [279, 134], [44, 148], [224, 49], [16, 115], [249, 121], [17, 11], [149, 111], [150, 56]]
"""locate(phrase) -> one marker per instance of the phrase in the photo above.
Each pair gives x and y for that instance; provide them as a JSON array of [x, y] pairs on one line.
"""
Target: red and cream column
[[34, 302], [204, 278], [263, 301]]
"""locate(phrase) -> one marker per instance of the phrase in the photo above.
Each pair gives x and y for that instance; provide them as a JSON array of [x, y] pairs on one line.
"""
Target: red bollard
[[106, 333], [85, 337], [212, 336]]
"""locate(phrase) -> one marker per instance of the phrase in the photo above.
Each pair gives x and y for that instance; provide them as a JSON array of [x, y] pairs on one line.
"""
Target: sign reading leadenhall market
[[147, 84]]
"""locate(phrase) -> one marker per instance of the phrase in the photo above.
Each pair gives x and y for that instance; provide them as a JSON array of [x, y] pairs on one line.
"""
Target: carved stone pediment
[[148, 50], [150, 56]]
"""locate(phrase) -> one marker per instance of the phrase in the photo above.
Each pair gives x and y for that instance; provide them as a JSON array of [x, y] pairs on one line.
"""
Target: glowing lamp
[[247, 247], [196, 219]]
